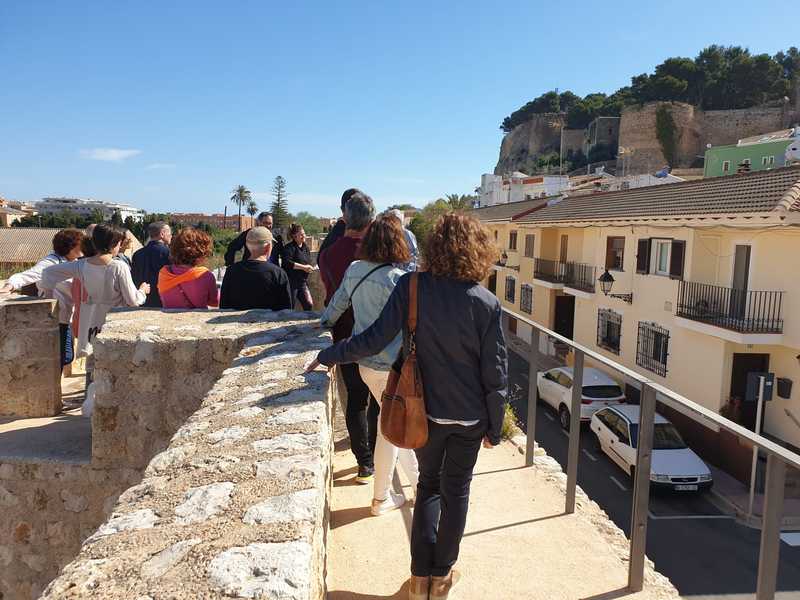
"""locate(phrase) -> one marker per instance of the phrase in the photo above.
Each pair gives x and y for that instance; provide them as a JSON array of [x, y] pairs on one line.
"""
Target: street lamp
[[607, 282]]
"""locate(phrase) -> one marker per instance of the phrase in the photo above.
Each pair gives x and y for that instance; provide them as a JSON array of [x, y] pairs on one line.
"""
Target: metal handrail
[[778, 458]]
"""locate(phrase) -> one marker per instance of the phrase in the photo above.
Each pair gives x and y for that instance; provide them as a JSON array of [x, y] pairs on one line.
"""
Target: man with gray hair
[[362, 424], [148, 261], [411, 240]]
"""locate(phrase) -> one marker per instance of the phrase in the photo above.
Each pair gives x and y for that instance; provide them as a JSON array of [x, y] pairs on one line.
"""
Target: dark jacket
[[460, 348], [255, 284], [292, 253], [330, 239], [239, 242], [338, 257], [147, 262]]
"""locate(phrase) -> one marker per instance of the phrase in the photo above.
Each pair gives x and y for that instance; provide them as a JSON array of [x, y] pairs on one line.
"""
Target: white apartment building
[[86, 207], [516, 187]]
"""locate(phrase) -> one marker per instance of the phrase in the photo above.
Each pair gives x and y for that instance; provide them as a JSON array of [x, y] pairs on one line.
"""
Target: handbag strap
[[412, 303], [365, 277]]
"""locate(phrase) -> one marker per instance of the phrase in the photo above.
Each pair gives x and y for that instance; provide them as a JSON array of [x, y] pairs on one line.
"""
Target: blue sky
[[171, 104]]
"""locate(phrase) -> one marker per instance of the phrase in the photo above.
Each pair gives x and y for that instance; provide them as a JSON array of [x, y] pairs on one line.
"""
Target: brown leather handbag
[[404, 421]]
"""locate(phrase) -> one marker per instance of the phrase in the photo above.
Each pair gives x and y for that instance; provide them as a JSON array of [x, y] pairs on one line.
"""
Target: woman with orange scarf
[[184, 283]]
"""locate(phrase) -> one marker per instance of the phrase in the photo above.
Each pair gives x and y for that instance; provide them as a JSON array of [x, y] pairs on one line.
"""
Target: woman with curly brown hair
[[185, 283], [462, 358]]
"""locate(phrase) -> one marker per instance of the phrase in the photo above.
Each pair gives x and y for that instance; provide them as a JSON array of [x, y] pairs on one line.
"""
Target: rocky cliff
[[525, 143]]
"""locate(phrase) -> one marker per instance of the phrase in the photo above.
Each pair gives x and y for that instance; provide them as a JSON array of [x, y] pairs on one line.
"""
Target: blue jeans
[[66, 343], [440, 510]]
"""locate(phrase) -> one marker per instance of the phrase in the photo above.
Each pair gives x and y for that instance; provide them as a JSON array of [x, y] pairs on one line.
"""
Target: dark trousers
[[440, 510], [361, 415], [302, 294], [66, 343]]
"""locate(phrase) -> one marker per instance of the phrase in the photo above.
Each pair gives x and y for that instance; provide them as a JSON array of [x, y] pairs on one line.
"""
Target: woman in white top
[[106, 283]]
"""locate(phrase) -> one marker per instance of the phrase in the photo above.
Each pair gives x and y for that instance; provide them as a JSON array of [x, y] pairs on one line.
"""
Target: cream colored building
[[706, 285]]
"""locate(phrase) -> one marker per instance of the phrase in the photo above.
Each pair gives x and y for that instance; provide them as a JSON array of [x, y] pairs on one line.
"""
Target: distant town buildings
[[87, 207], [12, 211], [218, 220], [516, 187], [756, 153]]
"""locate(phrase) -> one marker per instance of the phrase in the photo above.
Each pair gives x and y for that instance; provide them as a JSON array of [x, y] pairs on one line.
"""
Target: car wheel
[[563, 417]]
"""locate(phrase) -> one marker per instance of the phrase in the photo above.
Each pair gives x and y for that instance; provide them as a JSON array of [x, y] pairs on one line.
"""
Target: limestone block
[[162, 562], [6, 555], [7, 498], [297, 506], [138, 519], [281, 571], [204, 502], [74, 502]]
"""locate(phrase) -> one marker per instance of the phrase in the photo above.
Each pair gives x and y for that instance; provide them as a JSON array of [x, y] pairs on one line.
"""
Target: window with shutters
[[526, 298], [726, 166], [660, 249], [511, 289], [529, 243], [676, 259], [512, 240], [615, 253], [643, 256], [609, 329], [652, 348]]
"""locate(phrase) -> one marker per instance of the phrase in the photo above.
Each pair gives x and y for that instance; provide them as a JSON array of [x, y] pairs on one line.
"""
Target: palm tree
[[241, 197], [252, 208]]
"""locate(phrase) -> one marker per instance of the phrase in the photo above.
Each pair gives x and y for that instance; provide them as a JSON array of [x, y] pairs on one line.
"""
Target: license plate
[[686, 488]]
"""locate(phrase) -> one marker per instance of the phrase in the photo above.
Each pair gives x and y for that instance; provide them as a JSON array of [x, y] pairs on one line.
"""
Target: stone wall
[[46, 510], [30, 365], [696, 128], [236, 504], [522, 145]]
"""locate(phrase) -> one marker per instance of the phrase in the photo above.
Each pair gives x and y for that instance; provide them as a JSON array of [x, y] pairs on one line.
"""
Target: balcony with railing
[[573, 275], [741, 311]]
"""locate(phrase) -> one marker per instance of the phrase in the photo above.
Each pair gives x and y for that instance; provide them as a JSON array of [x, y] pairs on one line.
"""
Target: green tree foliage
[[423, 222], [241, 197], [252, 208], [402, 207], [280, 204], [718, 78], [311, 224], [666, 133]]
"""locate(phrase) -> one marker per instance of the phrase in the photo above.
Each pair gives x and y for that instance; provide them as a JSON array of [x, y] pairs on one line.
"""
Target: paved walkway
[[518, 544]]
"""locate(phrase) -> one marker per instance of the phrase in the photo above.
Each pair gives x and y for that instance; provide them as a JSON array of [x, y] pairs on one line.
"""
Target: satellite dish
[[708, 145]]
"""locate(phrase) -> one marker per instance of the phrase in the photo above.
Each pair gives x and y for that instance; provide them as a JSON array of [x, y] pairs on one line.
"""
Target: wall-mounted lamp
[[607, 283]]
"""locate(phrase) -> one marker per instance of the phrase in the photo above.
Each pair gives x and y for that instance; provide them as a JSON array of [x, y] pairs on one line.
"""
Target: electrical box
[[784, 387], [753, 380]]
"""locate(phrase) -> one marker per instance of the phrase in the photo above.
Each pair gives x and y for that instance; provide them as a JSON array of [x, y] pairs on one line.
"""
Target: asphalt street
[[703, 551]]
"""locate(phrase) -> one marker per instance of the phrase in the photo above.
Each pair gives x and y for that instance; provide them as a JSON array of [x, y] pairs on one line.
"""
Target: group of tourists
[[366, 264], [461, 353]]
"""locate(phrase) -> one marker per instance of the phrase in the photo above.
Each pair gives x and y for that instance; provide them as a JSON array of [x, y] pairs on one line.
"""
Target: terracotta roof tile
[[509, 210], [25, 244], [758, 192]]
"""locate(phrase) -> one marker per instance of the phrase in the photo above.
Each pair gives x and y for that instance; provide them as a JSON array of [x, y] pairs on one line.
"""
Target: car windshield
[[665, 437], [602, 391]]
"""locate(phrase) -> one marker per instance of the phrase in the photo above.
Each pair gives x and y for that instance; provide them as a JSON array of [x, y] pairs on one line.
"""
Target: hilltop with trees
[[718, 78]]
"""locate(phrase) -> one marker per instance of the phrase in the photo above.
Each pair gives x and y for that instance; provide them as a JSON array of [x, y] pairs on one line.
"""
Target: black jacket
[[147, 262], [460, 348], [292, 253], [239, 242], [255, 284]]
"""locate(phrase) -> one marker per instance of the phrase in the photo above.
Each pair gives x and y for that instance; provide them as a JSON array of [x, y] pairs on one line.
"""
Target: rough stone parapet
[[236, 502], [30, 364]]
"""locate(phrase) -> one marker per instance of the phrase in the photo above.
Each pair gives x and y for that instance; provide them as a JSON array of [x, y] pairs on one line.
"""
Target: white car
[[673, 464], [599, 391]]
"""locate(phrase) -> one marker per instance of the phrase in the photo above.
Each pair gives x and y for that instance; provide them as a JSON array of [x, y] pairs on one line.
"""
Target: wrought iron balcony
[[745, 311], [571, 274]]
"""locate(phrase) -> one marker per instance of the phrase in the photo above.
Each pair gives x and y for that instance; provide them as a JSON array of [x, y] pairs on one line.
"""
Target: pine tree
[[280, 205]]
